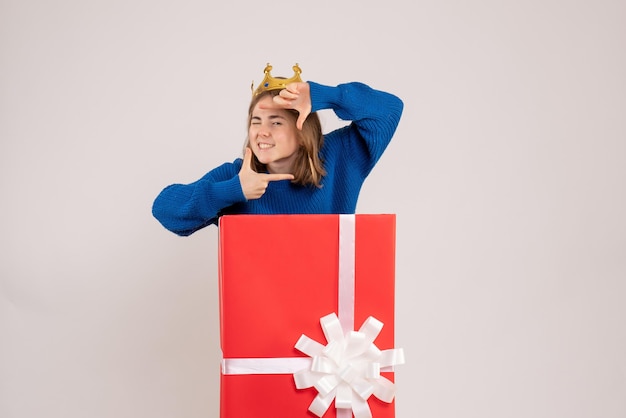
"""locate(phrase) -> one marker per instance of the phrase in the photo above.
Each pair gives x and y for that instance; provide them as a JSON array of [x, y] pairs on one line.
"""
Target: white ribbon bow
[[348, 368]]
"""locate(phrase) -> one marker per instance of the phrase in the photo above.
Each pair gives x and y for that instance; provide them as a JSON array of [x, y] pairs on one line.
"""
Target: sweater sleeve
[[374, 114], [186, 208]]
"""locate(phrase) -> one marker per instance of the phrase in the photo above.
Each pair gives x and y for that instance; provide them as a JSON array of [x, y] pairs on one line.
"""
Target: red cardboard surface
[[278, 277]]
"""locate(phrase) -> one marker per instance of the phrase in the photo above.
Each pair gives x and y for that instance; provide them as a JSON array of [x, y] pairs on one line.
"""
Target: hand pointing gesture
[[253, 184], [296, 96]]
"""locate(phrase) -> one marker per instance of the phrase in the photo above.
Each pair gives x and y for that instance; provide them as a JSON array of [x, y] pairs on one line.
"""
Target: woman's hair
[[308, 168]]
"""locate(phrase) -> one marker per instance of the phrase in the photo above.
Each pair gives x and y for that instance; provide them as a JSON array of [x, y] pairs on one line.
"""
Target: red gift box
[[278, 275]]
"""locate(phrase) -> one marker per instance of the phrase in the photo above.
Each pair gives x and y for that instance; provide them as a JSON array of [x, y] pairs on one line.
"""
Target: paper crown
[[271, 83]]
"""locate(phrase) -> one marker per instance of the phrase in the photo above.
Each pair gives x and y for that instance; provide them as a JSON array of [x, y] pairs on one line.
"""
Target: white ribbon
[[274, 365], [347, 247], [347, 369]]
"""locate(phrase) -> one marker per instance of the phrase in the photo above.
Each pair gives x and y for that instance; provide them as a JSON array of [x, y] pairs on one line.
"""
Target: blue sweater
[[348, 154]]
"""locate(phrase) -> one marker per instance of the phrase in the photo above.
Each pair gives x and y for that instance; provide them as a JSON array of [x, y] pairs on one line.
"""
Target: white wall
[[508, 175]]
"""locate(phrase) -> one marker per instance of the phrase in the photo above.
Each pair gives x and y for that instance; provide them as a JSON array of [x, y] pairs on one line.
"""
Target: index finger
[[278, 177], [281, 102], [288, 94]]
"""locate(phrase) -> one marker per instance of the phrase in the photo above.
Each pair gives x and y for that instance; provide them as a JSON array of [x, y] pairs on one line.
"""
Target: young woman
[[288, 166]]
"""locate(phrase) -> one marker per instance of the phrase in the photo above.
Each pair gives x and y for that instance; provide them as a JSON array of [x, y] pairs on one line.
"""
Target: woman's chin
[[264, 160]]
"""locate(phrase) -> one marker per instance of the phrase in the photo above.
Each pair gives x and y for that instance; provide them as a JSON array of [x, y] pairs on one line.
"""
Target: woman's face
[[273, 136]]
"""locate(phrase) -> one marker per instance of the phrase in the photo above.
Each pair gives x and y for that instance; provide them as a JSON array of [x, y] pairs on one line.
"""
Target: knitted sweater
[[348, 154]]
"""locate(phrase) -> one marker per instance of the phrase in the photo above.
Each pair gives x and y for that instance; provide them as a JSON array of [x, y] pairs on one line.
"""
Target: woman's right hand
[[254, 184]]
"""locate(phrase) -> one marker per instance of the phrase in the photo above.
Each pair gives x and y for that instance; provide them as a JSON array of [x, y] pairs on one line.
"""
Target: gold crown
[[271, 83]]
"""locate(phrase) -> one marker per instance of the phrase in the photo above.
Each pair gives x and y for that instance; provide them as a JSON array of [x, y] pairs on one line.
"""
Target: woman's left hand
[[296, 96]]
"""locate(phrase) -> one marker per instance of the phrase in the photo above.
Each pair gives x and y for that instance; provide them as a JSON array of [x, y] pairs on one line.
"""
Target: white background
[[507, 175]]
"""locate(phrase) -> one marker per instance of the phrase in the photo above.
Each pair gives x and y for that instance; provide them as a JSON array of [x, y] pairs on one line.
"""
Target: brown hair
[[308, 168]]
